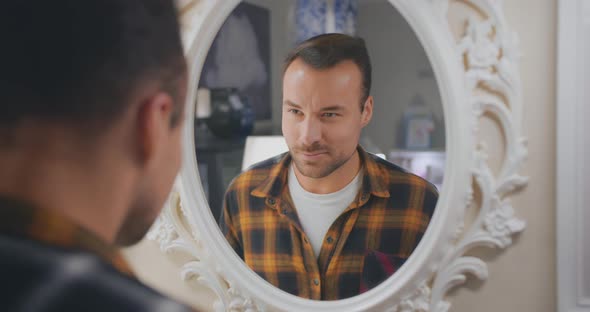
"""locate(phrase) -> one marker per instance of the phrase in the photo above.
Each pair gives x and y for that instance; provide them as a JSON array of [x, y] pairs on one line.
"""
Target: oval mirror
[[440, 69], [248, 109]]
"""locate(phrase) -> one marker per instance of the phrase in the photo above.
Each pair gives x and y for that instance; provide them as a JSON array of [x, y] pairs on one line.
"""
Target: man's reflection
[[326, 220]]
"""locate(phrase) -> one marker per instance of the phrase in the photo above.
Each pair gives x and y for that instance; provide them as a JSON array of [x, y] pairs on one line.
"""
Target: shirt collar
[[20, 219], [373, 177], [277, 178]]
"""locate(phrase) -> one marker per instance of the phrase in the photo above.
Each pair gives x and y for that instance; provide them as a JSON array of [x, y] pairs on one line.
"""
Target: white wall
[[522, 278], [573, 150], [155, 269]]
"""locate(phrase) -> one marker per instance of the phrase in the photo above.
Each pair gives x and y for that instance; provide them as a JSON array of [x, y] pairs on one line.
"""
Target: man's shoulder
[[255, 174], [39, 277]]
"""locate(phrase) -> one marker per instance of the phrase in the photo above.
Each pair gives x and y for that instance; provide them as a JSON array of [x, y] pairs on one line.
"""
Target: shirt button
[[316, 281], [330, 239]]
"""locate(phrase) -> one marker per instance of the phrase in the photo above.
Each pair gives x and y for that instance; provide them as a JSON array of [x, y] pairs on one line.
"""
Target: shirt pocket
[[377, 267]]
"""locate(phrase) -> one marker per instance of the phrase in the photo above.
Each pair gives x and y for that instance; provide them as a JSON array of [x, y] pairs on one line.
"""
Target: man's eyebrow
[[330, 108], [333, 108], [289, 103]]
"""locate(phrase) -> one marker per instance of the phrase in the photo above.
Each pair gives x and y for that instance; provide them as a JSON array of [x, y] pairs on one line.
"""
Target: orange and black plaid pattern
[[389, 216], [21, 220]]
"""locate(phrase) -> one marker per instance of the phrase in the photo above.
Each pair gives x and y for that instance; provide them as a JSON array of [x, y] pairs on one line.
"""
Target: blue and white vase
[[316, 17]]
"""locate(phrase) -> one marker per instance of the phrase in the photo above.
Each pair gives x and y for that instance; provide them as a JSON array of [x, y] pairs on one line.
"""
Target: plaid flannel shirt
[[19, 219], [388, 217]]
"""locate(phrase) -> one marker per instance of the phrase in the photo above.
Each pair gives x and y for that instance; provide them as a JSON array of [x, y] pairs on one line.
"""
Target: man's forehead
[[333, 88], [341, 78], [299, 68]]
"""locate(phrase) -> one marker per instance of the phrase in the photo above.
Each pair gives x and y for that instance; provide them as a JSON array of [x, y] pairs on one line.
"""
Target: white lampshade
[[259, 148], [203, 109]]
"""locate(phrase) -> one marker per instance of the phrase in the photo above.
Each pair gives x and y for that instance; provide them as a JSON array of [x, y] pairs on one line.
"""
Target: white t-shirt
[[317, 212]]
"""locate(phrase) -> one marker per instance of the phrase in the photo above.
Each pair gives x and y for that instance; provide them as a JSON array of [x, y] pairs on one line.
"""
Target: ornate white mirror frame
[[476, 67]]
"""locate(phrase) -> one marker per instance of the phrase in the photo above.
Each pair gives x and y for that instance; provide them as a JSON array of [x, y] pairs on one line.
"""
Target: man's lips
[[313, 153], [312, 156]]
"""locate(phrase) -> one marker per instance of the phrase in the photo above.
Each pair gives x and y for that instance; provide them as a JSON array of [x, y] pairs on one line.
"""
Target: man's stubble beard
[[314, 172], [138, 221]]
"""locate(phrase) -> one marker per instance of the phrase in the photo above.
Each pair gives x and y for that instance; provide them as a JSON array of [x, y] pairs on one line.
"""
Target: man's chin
[[312, 170], [134, 228], [129, 237]]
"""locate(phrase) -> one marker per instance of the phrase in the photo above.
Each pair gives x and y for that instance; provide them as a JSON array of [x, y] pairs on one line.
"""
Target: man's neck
[[84, 194], [333, 182]]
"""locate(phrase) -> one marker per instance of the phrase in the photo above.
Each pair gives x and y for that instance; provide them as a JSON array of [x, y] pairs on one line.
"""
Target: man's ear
[[367, 113], [153, 117]]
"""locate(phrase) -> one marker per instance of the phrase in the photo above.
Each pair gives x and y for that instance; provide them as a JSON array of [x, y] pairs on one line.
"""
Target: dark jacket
[[39, 274]]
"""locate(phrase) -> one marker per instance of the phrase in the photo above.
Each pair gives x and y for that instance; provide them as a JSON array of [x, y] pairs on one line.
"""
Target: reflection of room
[[243, 58], [407, 126]]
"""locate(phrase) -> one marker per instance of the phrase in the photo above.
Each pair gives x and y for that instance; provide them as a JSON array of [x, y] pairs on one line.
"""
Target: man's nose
[[311, 131]]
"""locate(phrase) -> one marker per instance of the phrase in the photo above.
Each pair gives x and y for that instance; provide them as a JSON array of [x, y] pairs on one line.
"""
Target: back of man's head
[[78, 61], [91, 102]]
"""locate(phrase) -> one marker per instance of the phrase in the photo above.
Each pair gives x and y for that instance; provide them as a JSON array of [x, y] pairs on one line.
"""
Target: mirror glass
[[238, 123]]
